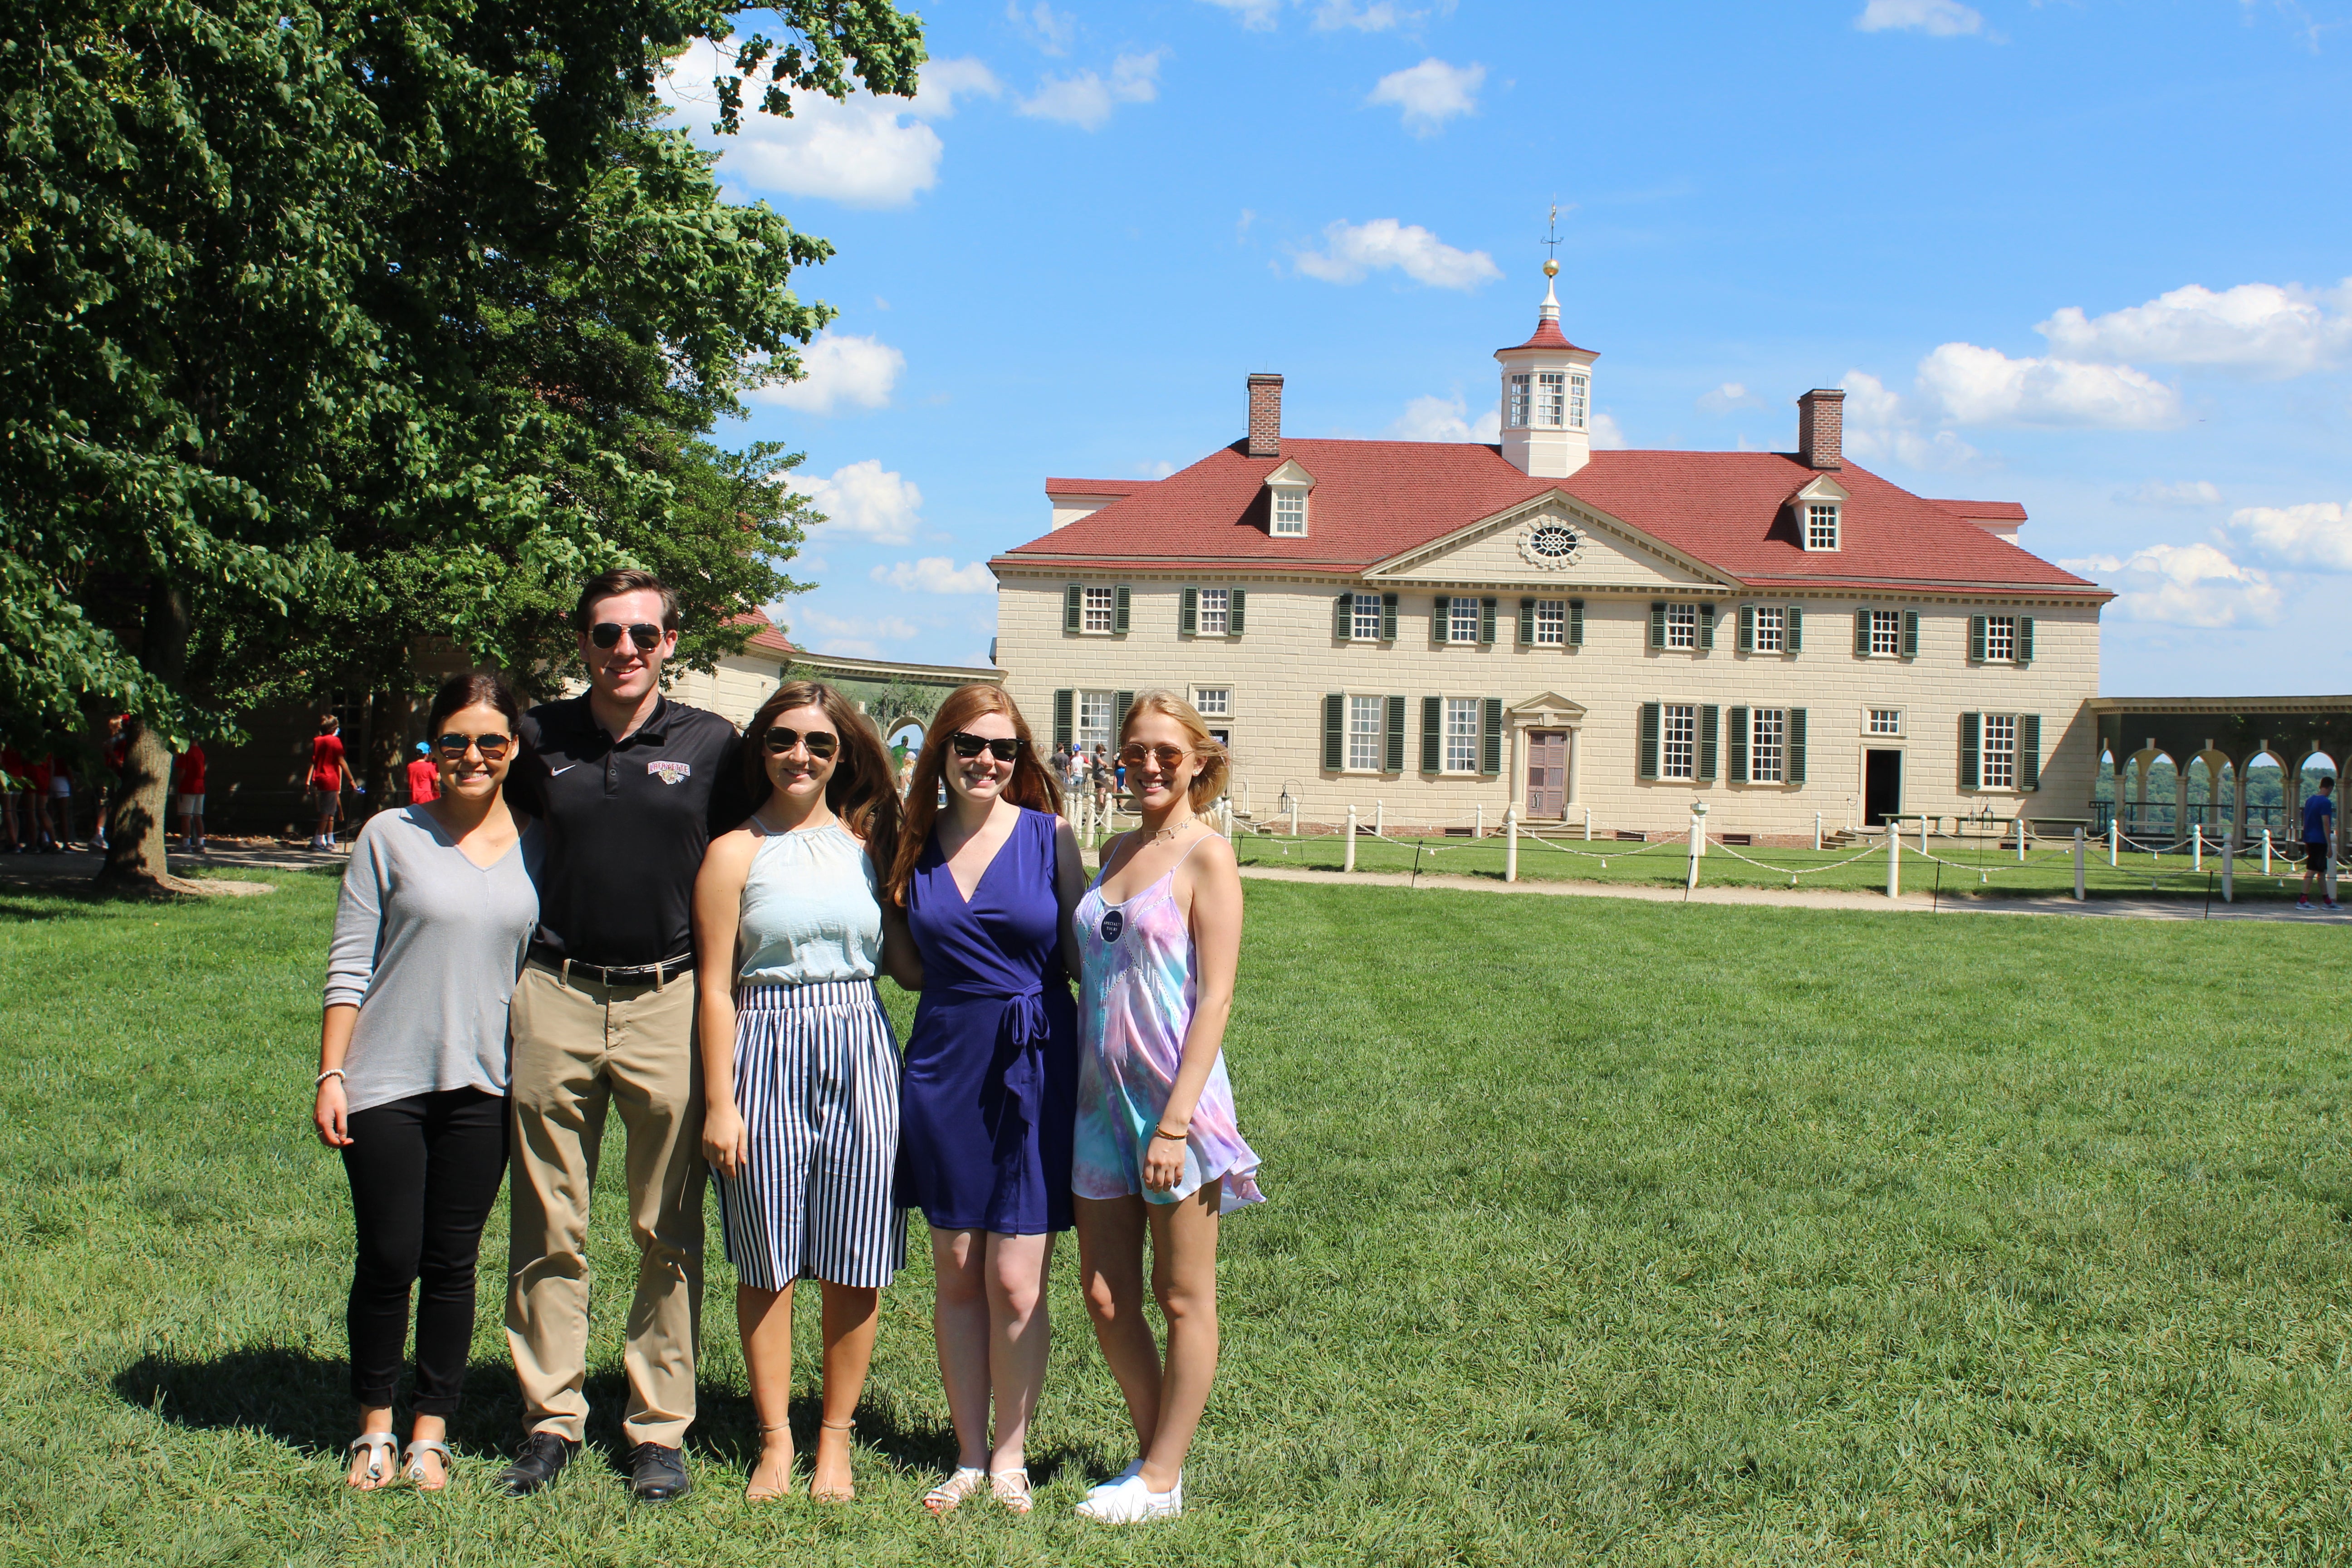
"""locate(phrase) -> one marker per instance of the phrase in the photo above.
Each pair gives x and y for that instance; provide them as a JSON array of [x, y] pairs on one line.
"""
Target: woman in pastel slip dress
[[1158, 1150], [800, 1067], [989, 1096]]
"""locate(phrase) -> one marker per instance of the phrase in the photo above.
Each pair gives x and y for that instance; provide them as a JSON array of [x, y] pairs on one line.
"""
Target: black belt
[[612, 974]]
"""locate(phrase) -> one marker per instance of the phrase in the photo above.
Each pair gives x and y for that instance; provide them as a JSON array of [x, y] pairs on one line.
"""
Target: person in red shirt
[[329, 774], [45, 833], [424, 777], [191, 796]]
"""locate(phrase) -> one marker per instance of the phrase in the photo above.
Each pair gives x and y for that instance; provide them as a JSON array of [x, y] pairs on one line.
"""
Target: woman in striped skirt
[[800, 1069]]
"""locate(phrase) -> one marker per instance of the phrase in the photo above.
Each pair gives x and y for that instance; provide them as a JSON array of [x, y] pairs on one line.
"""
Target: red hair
[[1032, 785]]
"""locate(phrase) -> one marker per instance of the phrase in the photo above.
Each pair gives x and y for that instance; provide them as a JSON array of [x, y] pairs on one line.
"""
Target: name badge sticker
[[1113, 923], [669, 772]]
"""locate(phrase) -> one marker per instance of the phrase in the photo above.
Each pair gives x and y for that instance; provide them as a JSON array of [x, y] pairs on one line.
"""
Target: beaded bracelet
[[1172, 1137], [330, 1072]]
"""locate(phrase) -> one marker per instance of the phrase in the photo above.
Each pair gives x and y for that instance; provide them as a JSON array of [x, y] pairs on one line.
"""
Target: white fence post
[[1480, 832], [1894, 861], [1588, 816], [1923, 833], [1697, 841], [1510, 843], [1294, 816], [2021, 841], [1817, 833], [1379, 818], [1349, 864], [2115, 832], [2267, 851], [2229, 870], [2197, 855], [2078, 865], [2330, 852]]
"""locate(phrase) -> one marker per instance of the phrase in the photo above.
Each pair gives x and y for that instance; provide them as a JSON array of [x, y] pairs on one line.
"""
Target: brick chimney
[[1821, 428], [1265, 416]]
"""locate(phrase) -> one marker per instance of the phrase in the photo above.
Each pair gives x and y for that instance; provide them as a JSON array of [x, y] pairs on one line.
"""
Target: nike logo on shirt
[[564, 769]]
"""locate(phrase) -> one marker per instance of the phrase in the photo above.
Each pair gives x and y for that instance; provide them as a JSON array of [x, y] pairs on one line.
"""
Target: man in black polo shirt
[[637, 786]]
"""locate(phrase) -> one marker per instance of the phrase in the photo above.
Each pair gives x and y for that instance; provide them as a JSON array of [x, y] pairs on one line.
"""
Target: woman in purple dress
[[988, 1101]]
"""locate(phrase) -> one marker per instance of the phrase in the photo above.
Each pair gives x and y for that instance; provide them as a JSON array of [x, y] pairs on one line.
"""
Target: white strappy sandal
[[968, 1481], [412, 1463], [382, 1447], [1010, 1487]]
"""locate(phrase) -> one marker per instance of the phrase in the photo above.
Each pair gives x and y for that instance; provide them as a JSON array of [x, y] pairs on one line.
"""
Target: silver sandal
[[413, 1463], [381, 1447]]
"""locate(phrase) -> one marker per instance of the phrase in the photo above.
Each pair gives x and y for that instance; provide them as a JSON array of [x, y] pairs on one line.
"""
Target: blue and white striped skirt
[[816, 1080]]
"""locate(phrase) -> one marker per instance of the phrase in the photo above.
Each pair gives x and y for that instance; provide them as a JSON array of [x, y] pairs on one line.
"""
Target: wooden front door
[[1546, 773]]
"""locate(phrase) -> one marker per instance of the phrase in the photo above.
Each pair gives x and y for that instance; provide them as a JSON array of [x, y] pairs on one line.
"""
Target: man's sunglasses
[[779, 740], [968, 746], [1166, 756], [607, 634], [453, 745]]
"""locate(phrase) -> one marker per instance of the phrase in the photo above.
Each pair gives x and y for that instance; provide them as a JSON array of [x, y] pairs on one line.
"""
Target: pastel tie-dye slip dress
[[1138, 982]]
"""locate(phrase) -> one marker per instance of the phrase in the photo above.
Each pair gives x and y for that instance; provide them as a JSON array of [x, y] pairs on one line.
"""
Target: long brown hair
[[860, 792], [526, 781], [1032, 783]]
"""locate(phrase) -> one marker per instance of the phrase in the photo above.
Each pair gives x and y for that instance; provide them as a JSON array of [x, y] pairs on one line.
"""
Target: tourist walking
[[1157, 1149], [604, 1023], [188, 786], [329, 774], [799, 1062], [15, 777], [436, 911], [423, 781], [989, 1096], [1103, 777], [53, 781], [2318, 835]]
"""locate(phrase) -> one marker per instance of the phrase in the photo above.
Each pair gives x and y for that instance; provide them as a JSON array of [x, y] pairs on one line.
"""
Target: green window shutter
[[1343, 616], [1120, 703], [1388, 617], [1064, 705], [1910, 633], [1796, 745], [1486, 621], [1072, 607], [1971, 728], [1739, 728], [1796, 632], [1119, 610], [1334, 731], [1707, 625], [1862, 634], [1976, 639], [1432, 735], [1234, 604], [1392, 742], [1649, 761], [1710, 719], [1748, 628], [2025, 640], [1576, 623], [1527, 623], [1440, 618], [1657, 622], [1490, 755], [2028, 751], [1189, 617]]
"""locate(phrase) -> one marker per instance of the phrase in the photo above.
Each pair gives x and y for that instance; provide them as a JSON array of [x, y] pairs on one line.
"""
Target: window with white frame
[[1552, 623], [1289, 508], [2001, 640], [1820, 525], [1364, 618], [1461, 734], [1522, 396], [1461, 620], [1098, 610], [1772, 629], [1681, 626], [1678, 741], [1885, 632], [1214, 701], [1211, 618], [1364, 716], [1884, 722], [1997, 763], [1768, 736], [1579, 390], [1551, 398], [1094, 720]]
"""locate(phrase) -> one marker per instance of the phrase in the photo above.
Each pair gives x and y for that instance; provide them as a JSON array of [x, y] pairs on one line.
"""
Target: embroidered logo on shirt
[[1113, 923], [669, 772]]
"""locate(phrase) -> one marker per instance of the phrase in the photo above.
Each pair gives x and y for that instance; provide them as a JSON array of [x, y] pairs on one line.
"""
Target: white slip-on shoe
[[1134, 1468], [1131, 1502]]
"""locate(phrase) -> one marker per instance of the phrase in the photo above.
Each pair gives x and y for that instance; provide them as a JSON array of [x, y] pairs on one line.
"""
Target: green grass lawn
[[1599, 1231]]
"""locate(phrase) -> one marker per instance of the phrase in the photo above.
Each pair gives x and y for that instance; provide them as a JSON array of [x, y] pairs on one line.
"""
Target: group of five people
[[614, 902]]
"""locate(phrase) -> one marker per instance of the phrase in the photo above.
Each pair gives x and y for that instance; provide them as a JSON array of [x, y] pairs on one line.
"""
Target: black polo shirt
[[628, 822]]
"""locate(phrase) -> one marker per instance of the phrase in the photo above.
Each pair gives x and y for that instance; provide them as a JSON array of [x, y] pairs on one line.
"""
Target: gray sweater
[[428, 946]]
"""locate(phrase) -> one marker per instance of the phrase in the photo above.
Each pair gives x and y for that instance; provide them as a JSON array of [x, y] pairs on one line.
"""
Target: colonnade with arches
[[2221, 738]]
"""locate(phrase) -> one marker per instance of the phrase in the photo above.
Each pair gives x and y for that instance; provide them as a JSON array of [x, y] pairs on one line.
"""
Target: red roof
[[1374, 500], [768, 639], [1994, 511], [1547, 336], [1094, 487]]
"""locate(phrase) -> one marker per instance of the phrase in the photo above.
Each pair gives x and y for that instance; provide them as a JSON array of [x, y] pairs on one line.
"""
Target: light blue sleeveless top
[[812, 908]]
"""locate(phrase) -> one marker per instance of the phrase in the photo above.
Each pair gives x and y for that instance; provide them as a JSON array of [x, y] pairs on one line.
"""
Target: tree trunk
[[134, 830]]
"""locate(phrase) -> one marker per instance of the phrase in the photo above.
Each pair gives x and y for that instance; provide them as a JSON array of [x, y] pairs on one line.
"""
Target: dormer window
[[1290, 510]]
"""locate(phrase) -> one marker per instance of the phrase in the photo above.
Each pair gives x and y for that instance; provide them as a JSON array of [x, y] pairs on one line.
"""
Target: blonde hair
[[1216, 763]]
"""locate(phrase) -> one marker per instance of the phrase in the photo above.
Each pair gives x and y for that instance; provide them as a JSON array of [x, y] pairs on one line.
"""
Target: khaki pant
[[580, 1049]]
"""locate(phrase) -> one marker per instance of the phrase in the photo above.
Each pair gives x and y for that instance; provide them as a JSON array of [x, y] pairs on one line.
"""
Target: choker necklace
[[1169, 834]]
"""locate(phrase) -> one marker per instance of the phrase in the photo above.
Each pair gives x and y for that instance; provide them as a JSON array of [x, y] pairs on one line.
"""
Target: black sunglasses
[[779, 740], [492, 747], [607, 634], [1002, 748]]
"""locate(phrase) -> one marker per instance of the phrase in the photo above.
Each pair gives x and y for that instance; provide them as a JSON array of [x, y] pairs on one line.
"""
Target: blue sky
[[2095, 257]]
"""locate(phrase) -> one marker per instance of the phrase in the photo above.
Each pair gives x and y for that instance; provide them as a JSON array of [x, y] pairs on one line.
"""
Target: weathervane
[[1551, 243]]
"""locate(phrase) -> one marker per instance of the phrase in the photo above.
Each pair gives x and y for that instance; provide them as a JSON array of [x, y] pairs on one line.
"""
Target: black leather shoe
[[543, 1457], [656, 1474]]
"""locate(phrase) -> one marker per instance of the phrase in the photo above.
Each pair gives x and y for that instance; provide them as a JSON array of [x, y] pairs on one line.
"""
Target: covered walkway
[[2226, 734]]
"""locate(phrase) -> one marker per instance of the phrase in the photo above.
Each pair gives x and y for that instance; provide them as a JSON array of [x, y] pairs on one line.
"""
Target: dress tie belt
[[1022, 1031]]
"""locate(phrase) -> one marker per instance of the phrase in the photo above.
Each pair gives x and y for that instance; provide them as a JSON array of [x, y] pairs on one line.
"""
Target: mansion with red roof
[[1449, 628]]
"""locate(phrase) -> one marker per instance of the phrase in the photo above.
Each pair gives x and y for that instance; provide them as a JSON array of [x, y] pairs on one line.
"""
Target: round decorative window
[[1552, 544]]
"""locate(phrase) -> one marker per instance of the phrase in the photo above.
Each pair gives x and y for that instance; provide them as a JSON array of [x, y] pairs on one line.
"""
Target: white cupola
[[1548, 397]]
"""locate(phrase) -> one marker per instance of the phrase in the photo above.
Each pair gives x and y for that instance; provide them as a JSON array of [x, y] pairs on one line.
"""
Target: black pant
[[423, 1172]]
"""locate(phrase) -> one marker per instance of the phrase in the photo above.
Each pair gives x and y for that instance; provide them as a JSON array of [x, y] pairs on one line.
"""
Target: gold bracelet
[[1172, 1137]]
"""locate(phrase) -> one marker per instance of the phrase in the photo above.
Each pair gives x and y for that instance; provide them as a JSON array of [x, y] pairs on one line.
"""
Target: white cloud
[[2183, 585], [1881, 425], [855, 636], [2263, 328], [1445, 419], [1732, 395], [1974, 386], [1257, 15], [1087, 100], [1352, 250], [1158, 471], [2183, 492], [1431, 93], [838, 371], [1606, 435], [1936, 18], [1049, 29], [936, 574], [866, 498], [867, 152], [1379, 17], [2317, 535]]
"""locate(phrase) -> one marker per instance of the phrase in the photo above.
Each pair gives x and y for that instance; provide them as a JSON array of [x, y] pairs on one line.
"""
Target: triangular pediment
[[1550, 708], [1551, 541], [1820, 486], [1291, 473]]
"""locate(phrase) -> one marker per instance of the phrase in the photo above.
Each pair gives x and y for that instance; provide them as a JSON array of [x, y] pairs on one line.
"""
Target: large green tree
[[331, 326]]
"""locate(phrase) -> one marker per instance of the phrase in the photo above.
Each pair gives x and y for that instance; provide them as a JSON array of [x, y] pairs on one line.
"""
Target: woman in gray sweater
[[437, 908]]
